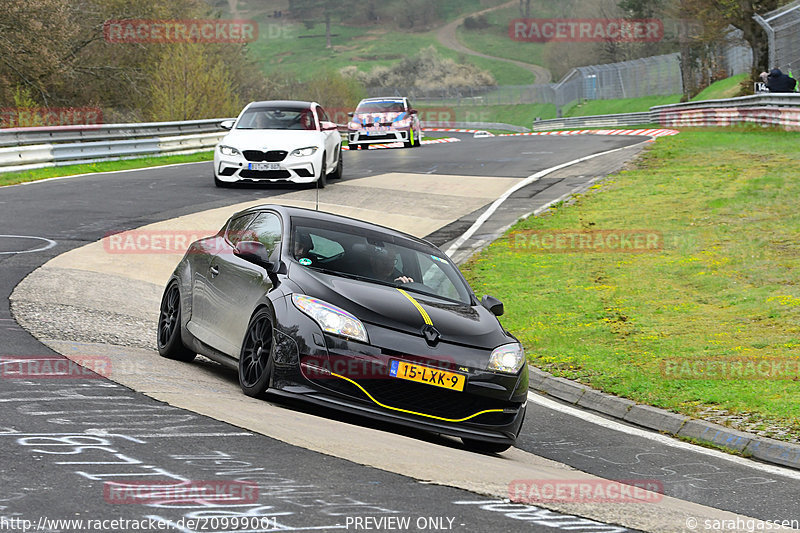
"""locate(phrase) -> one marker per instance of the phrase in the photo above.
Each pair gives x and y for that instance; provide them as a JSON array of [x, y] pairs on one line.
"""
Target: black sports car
[[350, 315]]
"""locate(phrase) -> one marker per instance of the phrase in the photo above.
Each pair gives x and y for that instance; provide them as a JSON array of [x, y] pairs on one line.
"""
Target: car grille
[[265, 174], [425, 399], [272, 156], [378, 138]]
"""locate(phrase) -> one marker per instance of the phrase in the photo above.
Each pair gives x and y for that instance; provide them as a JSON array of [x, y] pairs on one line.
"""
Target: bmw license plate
[[427, 375], [263, 166]]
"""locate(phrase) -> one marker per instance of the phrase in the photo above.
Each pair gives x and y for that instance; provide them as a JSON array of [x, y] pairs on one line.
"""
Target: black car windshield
[[373, 256], [382, 106], [277, 118]]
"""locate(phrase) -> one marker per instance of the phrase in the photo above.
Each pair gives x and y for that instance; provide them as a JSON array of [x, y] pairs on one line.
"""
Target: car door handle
[[214, 269]]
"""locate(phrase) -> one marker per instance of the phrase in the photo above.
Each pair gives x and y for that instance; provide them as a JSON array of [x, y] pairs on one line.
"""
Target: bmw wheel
[[255, 360], [337, 174], [323, 173], [170, 344]]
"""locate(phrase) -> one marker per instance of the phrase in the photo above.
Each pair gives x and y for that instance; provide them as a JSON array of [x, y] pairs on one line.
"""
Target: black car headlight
[[228, 150], [330, 318], [507, 358]]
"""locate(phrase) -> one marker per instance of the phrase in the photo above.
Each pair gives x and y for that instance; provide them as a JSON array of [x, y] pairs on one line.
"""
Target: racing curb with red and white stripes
[[399, 144], [654, 132]]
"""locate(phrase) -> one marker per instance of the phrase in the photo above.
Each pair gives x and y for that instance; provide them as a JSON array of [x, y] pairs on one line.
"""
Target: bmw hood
[[272, 139], [404, 310]]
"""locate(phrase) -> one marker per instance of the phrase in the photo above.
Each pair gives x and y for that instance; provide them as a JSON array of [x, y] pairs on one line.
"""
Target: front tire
[[337, 174], [323, 173], [482, 446], [170, 343], [255, 359]]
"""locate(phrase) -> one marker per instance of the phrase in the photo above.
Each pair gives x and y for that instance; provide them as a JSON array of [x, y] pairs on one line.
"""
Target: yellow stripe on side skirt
[[422, 312], [414, 412]]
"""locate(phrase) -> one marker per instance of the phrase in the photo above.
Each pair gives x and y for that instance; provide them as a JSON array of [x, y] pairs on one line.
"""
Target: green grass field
[[723, 287], [11, 178]]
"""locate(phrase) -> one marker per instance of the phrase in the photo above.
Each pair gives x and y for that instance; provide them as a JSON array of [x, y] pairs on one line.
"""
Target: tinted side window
[[235, 231], [266, 229]]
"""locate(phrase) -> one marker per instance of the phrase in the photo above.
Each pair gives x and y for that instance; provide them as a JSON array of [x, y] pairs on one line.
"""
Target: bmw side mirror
[[494, 305], [329, 126], [226, 124], [254, 252]]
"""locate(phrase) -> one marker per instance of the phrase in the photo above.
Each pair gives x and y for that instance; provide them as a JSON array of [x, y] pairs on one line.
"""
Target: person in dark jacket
[[778, 82]]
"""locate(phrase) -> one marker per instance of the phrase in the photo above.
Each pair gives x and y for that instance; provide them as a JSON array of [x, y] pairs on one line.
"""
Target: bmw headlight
[[330, 318], [507, 358], [304, 152], [228, 150]]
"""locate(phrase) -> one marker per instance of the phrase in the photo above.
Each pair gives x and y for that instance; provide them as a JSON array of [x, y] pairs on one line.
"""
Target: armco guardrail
[[594, 121], [29, 148], [782, 109]]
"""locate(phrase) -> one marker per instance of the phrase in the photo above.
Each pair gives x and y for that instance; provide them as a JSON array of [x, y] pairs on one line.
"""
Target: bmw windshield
[[277, 118]]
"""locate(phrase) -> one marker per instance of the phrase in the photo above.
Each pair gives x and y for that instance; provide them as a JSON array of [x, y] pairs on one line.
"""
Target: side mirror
[[493, 304], [413, 111], [254, 252], [328, 126], [227, 124], [350, 114]]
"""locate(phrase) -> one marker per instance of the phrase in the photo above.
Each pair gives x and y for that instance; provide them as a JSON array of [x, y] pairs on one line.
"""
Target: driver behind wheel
[[382, 263]]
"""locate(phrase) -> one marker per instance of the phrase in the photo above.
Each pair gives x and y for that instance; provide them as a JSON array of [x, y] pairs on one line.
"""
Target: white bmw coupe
[[279, 142]]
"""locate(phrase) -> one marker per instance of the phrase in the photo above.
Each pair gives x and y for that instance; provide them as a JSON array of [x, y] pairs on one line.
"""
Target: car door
[[239, 285], [205, 300]]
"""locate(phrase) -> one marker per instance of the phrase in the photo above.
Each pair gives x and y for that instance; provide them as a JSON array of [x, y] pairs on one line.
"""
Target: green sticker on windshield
[[305, 261]]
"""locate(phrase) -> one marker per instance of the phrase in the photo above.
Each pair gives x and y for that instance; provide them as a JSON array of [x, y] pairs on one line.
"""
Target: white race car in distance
[[279, 142]]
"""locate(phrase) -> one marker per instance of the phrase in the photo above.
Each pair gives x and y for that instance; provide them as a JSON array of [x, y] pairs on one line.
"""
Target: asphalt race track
[[66, 441]]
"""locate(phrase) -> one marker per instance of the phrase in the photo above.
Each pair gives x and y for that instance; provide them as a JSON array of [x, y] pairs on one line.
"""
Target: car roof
[[287, 211], [290, 103], [385, 99]]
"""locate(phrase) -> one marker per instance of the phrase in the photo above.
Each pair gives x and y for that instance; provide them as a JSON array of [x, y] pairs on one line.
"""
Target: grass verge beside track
[[723, 288], [11, 178]]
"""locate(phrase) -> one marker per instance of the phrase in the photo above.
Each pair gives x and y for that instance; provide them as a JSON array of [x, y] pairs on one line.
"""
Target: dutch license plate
[[427, 375], [263, 166]]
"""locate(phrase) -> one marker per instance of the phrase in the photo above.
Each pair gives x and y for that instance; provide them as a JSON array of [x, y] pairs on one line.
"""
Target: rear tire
[[482, 446], [255, 359], [169, 341]]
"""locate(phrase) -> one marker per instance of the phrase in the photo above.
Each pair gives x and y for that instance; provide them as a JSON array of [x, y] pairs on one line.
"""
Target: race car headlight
[[507, 358], [304, 152], [228, 150], [330, 318]]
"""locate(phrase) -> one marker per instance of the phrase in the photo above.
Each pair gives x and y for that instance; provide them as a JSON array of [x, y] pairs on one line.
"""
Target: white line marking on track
[[49, 243], [524, 183], [657, 437]]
